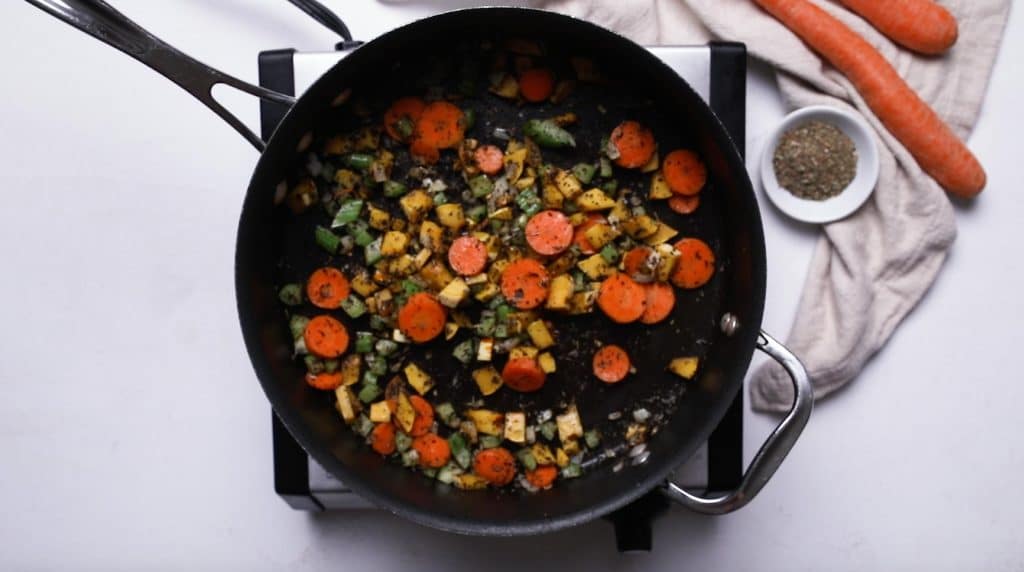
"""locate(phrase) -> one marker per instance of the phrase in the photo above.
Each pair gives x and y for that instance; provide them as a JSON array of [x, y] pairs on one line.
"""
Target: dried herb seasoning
[[815, 161]]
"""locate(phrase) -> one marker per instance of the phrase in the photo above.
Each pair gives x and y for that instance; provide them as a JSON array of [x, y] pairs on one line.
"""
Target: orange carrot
[[938, 150], [635, 144], [467, 256], [433, 450], [382, 438], [580, 238], [683, 204], [523, 374], [325, 337], [327, 288], [407, 108], [611, 364], [661, 298], [524, 283], [684, 172], [636, 259], [696, 263], [920, 25], [421, 318], [440, 125], [424, 152], [496, 466], [489, 159], [536, 84], [325, 381], [621, 299], [424, 416], [549, 232], [542, 477]]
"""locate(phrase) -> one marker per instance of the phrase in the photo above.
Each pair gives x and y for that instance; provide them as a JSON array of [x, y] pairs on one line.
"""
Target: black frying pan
[[721, 322]]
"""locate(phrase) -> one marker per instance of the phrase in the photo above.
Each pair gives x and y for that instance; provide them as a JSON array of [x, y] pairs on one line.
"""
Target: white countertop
[[133, 433]]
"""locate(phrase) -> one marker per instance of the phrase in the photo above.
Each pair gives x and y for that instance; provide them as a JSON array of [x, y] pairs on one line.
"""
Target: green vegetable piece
[[440, 199], [290, 294], [477, 213], [592, 438], [331, 365], [369, 393], [502, 312], [327, 240], [349, 212], [606, 167], [548, 430], [297, 325], [468, 118], [404, 127], [610, 253], [460, 450], [376, 364], [448, 473], [363, 425], [579, 282], [359, 161], [465, 351], [364, 342], [394, 189], [362, 237], [402, 442], [429, 472], [353, 306], [481, 186], [572, 471], [410, 458], [584, 172], [446, 413], [485, 327], [370, 378], [496, 226], [386, 347], [489, 441], [313, 364], [526, 459], [547, 133], [379, 323], [410, 287], [496, 301], [529, 203], [610, 187], [371, 252], [501, 331]]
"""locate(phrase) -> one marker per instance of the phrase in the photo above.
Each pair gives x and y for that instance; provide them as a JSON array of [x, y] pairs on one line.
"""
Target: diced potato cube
[[363, 284], [405, 414], [561, 458], [346, 179], [416, 204], [514, 161], [350, 369], [450, 329], [421, 258], [379, 218], [506, 87], [664, 234], [569, 425], [568, 184], [451, 216], [504, 213], [454, 293], [540, 334], [522, 352], [488, 292], [485, 349], [651, 165], [403, 265], [583, 302], [497, 267], [486, 421], [595, 267], [571, 447], [394, 243], [547, 362], [518, 322], [525, 183], [380, 412], [368, 139], [620, 212], [636, 433], [659, 188], [418, 379], [432, 236], [684, 367], [667, 258], [594, 200], [469, 482], [562, 264], [552, 197], [600, 235], [461, 319], [640, 227], [515, 427], [348, 405], [436, 274], [542, 454], [487, 379], [476, 280], [577, 219]]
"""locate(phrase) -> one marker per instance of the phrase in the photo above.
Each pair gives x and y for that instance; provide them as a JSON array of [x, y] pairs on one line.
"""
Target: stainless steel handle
[[774, 450], [103, 22]]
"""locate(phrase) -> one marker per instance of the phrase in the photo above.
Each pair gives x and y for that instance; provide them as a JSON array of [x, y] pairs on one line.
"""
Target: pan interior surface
[[275, 247]]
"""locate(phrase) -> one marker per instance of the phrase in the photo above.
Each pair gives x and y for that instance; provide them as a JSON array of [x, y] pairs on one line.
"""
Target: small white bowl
[[853, 196]]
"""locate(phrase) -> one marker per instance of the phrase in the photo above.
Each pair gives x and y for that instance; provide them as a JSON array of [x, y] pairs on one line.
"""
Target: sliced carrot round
[[660, 301], [382, 438], [524, 283], [325, 381], [421, 318], [440, 125], [424, 152], [489, 159], [684, 204], [542, 477], [424, 416], [696, 263], [496, 466], [611, 364], [635, 260], [408, 108], [549, 232], [635, 144], [325, 337], [434, 451], [580, 238], [327, 288], [621, 299], [536, 84], [523, 374], [684, 172], [467, 256]]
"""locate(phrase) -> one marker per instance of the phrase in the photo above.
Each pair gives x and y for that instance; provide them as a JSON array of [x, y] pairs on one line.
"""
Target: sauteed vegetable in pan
[[478, 239]]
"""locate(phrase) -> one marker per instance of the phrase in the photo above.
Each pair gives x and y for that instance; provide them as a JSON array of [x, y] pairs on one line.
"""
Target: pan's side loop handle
[[329, 20], [103, 22], [774, 450]]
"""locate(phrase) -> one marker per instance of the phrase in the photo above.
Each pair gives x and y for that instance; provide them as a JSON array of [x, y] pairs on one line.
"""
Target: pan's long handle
[[103, 22], [774, 449]]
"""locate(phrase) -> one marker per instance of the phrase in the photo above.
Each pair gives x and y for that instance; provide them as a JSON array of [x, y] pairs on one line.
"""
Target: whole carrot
[[932, 143], [920, 25]]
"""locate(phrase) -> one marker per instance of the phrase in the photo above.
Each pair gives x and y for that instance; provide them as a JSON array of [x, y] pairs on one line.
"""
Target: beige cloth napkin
[[871, 269]]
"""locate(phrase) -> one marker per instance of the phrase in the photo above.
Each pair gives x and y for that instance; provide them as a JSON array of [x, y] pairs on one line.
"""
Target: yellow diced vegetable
[[405, 413], [380, 412], [569, 425], [421, 258], [568, 184], [594, 200], [577, 219], [552, 197], [394, 243], [451, 216], [506, 87], [497, 267], [454, 293], [416, 204], [561, 458], [368, 139], [488, 380], [504, 213], [488, 292], [547, 362], [486, 421], [450, 329], [485, 349], [595, 267], [640, 227], [518, 322], [514, 164], [346, 179], [436, 274], [684, 367], [664, 234], [515, 427], [540, 334], [620, 212], [476, 280], [469, 482], [599, 235], [348, 405], [363, 284], [571, 447], [432, 236], [379, 218], [403, 265], [583, 302], [651, 165], [418, 379], [667, 258], [542, 454], [350, 369], [659, 188], [522, 352]]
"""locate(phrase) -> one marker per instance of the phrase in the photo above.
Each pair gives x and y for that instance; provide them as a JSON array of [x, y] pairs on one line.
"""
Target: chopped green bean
[[592, 438], [378, 365], [370, 378], [393, 189], [402, 442], [448, 473], [485, 327], [313, 364], [364, 342], [477, 213], [410, 458], [610, 253], [445, 412], [502, 312], [363, 425], [489, 441], [584, 172], [348, 212], [404, 126], [496, 301], [527, 459], [572, 471], [606, 168], [386, 347], [371, 252], [290, 294], [359, 161], [379, 323], [353, 306], [331, 365], [440, 199], [465, 351], [481, 186], [297, 326], [369, 392], [548, 429], [529, 202], [501, 331], [460, 450], [610, 187], [410, 287], [327, 240], [547, 133]]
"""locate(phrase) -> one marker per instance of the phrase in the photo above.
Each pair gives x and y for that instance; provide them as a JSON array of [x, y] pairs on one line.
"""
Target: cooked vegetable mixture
[[444, 238]]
